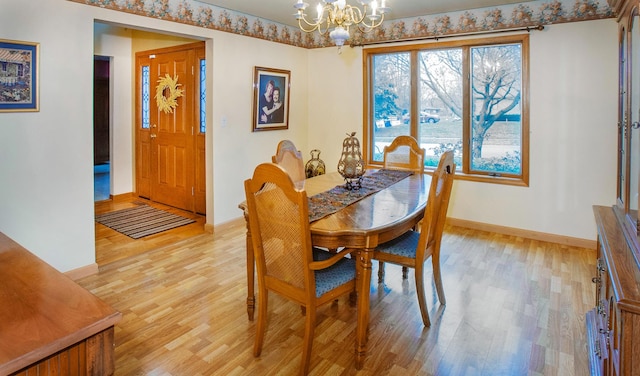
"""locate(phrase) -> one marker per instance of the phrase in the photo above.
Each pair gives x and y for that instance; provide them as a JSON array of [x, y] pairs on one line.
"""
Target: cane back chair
[[413, 248], [290, 158], [286, 262]]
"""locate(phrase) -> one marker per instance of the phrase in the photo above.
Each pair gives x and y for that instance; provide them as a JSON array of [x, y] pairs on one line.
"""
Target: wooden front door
[[169, 139]]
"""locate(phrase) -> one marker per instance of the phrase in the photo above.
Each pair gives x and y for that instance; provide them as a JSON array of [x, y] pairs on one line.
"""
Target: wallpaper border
[[522, 15]]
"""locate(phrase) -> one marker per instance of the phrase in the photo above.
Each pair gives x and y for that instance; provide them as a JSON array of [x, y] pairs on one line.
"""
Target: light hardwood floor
[[112, 245], [514, 307]]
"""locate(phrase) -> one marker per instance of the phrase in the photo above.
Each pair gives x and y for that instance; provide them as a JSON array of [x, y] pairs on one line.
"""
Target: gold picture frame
[[19, 78], [271, 92]]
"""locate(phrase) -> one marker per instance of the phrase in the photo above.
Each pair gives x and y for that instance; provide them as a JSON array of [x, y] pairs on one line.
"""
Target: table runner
[[329, 202]]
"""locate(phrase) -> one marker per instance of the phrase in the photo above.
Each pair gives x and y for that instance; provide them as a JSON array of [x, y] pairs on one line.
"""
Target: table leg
[[364, 283], [251, 298]]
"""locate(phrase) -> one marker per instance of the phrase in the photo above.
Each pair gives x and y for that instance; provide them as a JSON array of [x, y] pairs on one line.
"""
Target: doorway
[[170, 129], [101, 128]]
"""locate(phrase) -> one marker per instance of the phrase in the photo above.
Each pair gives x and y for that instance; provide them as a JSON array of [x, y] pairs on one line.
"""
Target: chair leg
[[309, 328], [422, 301], [437, 277], [262, 322], [405, 272], [380, 271], [353, 298]]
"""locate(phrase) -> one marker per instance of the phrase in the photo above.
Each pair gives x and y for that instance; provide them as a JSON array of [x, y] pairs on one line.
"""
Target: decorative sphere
[[349, 170]]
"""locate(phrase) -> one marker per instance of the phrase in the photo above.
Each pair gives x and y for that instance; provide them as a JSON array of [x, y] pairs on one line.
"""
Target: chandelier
[[338, 15]]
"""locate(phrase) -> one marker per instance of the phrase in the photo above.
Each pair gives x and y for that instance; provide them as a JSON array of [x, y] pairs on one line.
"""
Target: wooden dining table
[[374, 219]]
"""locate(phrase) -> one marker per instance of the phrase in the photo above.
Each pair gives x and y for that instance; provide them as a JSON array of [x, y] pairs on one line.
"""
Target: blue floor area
[[101, 182]]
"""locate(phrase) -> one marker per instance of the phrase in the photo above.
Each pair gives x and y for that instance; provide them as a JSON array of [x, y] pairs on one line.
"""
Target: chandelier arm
[[366, 28], [314, 26], [357, 15], [320, 29]]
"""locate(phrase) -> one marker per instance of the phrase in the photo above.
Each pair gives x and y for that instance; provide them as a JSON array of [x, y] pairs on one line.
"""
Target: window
[[203, 95], [146, 97], [468, 96]]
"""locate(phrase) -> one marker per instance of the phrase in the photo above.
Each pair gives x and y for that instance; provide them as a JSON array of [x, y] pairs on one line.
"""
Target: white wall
[[46, 157], [46, 166], [235, 148], [115, 42], [46, 195], [573, 130]]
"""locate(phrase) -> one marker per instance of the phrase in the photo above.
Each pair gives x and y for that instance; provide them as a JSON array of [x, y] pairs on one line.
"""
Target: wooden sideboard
[[49, 325], [613, 325]]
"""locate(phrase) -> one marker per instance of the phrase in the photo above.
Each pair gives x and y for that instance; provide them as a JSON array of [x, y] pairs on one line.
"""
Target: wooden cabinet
[[613, 325], [49, 325]]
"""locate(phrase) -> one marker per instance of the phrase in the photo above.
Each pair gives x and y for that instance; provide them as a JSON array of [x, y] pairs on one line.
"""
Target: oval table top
[[374, 219]]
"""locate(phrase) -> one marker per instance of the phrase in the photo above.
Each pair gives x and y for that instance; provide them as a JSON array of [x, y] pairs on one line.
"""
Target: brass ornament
[[351, 165]]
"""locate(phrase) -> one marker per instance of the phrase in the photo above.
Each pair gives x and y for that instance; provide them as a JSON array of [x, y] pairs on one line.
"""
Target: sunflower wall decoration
[[168, 103]]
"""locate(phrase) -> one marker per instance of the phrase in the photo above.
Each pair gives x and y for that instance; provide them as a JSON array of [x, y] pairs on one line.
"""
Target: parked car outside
[[387, 122], [425, 117]]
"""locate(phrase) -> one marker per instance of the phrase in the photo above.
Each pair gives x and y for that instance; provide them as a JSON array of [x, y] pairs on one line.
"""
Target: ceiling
[[282, 11]]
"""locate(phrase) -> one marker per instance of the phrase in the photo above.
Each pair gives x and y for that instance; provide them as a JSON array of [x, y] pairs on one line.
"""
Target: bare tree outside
[[392, 80], [496, 87], [441, 76], [490, 76]]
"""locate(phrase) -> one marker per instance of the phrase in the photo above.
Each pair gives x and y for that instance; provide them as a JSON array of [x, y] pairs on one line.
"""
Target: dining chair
[[290, 158], [286, 261], [413, 248], [404, 153]]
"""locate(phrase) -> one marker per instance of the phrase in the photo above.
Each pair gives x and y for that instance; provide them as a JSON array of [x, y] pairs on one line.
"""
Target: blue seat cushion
[[405, 245], [336, 275]]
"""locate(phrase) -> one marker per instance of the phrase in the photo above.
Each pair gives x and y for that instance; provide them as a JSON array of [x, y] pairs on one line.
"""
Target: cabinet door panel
[[634, 114], [622, 113]]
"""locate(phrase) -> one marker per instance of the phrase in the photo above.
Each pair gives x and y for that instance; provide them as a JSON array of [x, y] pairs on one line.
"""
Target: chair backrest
[[290, 158], [438, 202], [279, 225], [404, 153]]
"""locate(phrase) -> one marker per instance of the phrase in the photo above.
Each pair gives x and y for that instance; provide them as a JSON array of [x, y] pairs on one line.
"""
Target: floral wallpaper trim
[[525, 14]]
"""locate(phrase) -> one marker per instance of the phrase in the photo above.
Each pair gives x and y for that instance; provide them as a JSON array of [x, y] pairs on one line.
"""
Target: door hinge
[[193, 191]]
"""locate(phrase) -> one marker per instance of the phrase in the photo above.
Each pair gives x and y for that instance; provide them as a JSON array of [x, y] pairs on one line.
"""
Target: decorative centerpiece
[[169, 86], [351, 166], [315, 165]]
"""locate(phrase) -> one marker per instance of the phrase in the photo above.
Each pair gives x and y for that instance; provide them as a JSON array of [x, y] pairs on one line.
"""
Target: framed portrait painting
[[18, 76], [270, 99]]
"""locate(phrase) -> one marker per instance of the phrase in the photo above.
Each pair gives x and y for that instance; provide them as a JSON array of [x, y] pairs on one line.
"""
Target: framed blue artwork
[[19, 76]]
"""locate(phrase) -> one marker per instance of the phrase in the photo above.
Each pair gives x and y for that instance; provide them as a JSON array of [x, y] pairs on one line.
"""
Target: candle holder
[[351, 166]]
